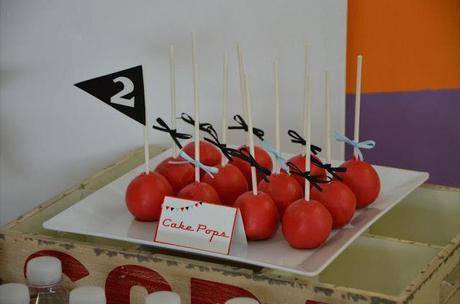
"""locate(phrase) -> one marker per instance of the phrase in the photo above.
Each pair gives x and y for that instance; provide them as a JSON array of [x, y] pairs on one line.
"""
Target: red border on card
[[182, 246]]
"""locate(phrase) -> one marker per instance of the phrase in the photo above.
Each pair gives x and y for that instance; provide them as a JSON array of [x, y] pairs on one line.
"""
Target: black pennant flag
[[123, 91]]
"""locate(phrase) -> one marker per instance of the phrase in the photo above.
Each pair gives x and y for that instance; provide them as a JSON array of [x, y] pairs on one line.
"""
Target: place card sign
[[199, 225]]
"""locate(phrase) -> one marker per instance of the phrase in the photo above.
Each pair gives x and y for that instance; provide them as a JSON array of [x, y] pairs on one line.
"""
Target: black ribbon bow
[[215, 141], [297, 139], [244, 126], [317, 162], [172, 132], [188, 119], [245, 155], [333, 170], [315, 180]]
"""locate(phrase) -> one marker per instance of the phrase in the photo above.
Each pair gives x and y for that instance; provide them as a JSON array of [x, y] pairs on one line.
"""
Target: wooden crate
[[408, 256]]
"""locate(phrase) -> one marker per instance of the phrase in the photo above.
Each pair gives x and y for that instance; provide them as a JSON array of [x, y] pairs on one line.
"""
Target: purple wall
[[413, 130]]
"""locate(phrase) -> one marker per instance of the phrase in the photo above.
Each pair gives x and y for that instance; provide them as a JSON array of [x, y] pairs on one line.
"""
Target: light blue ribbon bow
[[187, 159], [277, 155], [367, 144]]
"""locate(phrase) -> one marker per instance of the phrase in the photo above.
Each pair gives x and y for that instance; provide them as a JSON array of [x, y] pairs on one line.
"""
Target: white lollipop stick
[[307, 119], [225, 104], [242, 81], [359, 66], [172, 72], [194, 49], [250, 135], [277, 113], [197, 121], [306, 89], [328, 116], [196, 98]]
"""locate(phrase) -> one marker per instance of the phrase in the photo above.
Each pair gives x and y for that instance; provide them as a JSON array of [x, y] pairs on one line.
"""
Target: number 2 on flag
[[129, 99], [128, 87]]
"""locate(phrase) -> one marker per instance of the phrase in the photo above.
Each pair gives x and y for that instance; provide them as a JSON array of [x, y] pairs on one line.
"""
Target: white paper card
[[198, 225]]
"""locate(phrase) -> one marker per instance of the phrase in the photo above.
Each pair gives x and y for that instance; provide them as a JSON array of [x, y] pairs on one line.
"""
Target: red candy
[[339, 200], [261, 156], [178, 175], [202, 192], [299, 161], [229, 183], [306, 225], [209, 154], [259, 213], [283, 189], [145, 194], [362, 179]]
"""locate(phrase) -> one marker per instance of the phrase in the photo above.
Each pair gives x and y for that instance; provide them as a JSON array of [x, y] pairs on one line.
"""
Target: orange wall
[[407, 45]]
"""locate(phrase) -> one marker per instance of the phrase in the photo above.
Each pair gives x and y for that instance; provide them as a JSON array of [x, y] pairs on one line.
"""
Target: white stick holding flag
[[146, 146]]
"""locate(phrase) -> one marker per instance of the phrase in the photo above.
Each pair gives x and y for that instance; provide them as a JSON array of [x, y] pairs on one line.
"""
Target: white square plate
[[104, 214]]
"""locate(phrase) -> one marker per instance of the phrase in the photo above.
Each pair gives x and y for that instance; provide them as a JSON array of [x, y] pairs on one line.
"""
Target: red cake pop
[[360, 176], [258, 210], [299, 161], [283, 189], [335, 196], [339, 200], [229, 183], [259, 213], [174, 169], [198, 191], [209, 154], [262, 158], [306, 224], [145, 194], [178, 174], [260, 155], [203, 192], [362, 179]]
